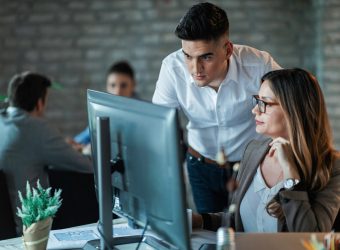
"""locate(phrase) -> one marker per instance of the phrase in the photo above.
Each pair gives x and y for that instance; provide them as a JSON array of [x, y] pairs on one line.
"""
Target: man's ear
[[39, 108], [229, 49], [40, 104]]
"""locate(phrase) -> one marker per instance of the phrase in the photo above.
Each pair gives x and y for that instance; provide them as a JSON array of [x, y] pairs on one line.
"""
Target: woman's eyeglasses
[[262, 104]]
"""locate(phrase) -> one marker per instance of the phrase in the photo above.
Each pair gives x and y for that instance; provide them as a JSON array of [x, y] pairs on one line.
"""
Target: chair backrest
[[336, 225], [79, 202], [7, 224]]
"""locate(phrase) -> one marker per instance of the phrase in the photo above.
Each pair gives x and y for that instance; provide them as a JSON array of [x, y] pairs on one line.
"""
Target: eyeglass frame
[[262, 105]]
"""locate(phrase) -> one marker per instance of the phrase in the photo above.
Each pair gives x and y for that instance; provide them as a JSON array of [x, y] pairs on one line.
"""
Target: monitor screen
[[147, 185]]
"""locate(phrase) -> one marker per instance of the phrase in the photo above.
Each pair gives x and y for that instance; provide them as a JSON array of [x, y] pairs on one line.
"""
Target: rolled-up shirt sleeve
[[165, 92]]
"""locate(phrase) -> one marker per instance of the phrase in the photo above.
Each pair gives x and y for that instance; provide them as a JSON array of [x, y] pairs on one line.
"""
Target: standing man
[[212, 81], [28, 144]]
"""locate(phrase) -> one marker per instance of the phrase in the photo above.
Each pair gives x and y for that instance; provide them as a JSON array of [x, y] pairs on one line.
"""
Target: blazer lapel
[[255, 156]]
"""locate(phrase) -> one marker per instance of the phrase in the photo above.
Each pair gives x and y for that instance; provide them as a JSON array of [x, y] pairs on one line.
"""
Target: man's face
[[207, 61], [120, 84]]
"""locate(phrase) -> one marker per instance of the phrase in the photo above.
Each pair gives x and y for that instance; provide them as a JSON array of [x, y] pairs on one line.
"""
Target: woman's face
[[272, 122]]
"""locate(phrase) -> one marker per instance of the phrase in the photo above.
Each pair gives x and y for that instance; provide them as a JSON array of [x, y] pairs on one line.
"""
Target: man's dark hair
[[203, 21], [121, 67], [25, 89]]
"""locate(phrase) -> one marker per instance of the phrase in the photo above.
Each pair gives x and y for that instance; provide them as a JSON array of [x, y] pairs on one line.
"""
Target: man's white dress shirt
[[221, 118]]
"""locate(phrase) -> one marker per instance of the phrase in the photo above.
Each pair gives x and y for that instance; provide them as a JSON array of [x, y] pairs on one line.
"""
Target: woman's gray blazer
[[303, 211]]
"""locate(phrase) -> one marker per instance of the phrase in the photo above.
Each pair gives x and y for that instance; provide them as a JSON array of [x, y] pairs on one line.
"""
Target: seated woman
[[291, 181]]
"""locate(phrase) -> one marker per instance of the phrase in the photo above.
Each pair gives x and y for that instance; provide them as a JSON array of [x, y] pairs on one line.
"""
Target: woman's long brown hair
[[300, 96]]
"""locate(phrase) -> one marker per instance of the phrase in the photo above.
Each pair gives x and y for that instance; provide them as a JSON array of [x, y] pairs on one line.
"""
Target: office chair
[[336, 225], [7, 224], [79, 202]]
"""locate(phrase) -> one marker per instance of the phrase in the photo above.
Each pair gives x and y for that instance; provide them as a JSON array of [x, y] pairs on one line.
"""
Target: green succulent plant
[[38, 204]]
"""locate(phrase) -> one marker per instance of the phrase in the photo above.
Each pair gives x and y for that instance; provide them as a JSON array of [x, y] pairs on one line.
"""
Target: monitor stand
[[125, 241], [95, 244]]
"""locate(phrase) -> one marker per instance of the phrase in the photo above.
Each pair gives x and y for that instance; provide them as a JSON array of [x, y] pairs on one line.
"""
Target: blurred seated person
[[291, 181], [120, 81], [28, 143]]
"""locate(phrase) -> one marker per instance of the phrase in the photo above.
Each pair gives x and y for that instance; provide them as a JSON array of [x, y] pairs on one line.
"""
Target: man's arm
[[60, 155], [165, 92]]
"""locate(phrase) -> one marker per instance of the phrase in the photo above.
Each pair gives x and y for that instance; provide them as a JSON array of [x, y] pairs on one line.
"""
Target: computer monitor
[[138, 167]]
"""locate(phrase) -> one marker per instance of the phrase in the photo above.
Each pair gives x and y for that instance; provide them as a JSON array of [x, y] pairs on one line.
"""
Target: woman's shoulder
[[256, 144], [336, 164], [254, 150]]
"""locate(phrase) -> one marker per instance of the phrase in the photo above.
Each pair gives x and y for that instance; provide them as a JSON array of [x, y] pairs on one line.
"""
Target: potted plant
[[36, 212]]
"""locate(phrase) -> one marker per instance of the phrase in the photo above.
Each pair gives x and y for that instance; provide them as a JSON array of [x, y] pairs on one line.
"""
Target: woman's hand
[[282, 149]]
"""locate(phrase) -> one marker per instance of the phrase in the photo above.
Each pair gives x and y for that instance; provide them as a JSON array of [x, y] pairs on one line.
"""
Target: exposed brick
[[97, 29], [146, 4], [47, 6], [94, 54], [99, 5], [84, 17], [63, 17], [25, 31], [110, 16], [331, 25], [133, 15], [55, 42], [333, 50], [332, 63], [57, 55], [77, 5], [97, 42], [32, 55], [76, 40], [59, 30], [8, 18], [331, 3], [41, 18], [12, 42]]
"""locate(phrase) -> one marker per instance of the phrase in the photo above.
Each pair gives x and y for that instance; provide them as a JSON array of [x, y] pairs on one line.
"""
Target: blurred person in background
[[29, 145], [120, 80]]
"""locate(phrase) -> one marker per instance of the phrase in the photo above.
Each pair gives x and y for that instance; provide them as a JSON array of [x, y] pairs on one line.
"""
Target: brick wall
[[75, 41], [330, 61]]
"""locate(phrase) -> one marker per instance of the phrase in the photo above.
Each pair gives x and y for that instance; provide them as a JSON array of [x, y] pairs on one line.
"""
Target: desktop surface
[[275, 241], [204, 240]]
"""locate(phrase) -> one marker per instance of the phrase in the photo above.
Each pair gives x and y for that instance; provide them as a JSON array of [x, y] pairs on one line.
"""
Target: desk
[[278, 241], [198, 237]]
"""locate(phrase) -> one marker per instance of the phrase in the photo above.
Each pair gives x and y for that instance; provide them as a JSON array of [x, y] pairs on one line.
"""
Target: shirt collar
[[258, 181]]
